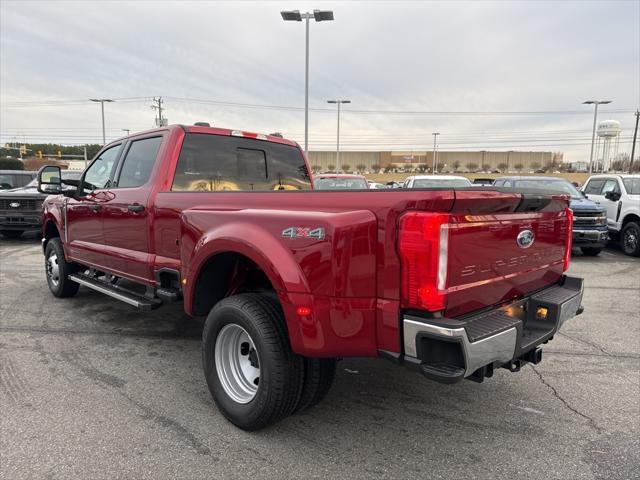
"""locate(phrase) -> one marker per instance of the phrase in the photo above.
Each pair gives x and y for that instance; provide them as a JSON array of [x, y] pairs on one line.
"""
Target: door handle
[[135, 208], [95, 208]]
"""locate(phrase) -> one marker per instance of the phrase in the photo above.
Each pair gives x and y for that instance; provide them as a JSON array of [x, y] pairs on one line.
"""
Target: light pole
[[126, 130], [593, 133], [101, 101], [435, 161], [338, 102], [296, 16]]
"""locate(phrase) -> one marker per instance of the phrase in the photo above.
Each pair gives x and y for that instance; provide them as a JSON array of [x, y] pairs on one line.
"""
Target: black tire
[[12, 233], [63, 286], [591, 251], [280, 370], [630, 239], [318, 378]]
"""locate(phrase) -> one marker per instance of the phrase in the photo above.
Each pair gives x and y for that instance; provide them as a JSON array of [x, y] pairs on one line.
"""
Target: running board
[[139, 301]]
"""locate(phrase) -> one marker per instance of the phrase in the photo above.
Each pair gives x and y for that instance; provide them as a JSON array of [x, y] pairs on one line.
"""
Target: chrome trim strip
[[66, 237], [496, 348], [443, 257]]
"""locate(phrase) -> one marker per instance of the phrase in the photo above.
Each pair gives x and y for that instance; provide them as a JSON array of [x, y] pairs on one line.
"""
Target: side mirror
[[611, 195], [50, 180]]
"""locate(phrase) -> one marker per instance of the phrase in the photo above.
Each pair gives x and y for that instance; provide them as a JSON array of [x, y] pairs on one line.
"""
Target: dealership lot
[[90, 388]]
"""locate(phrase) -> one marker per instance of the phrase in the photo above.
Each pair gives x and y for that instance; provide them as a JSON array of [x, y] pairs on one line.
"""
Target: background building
[[447, 161]]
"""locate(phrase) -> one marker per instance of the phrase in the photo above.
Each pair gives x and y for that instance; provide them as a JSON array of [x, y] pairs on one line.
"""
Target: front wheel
[[58, 270], [254, 377], [591, 251], [630, 239]]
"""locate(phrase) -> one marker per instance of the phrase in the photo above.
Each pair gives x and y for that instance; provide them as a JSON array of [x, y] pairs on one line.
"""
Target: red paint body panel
[[350, 279]]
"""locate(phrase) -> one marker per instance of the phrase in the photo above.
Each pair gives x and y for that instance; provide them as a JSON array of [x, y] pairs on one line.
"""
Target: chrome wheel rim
[[630, 240], [53, 269], [237, 363]]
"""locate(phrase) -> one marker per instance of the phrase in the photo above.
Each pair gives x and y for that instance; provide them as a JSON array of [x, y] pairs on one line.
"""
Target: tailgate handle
[[135, 208]]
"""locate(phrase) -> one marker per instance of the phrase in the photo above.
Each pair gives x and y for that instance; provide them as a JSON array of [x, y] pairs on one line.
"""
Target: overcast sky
[[389, 57]]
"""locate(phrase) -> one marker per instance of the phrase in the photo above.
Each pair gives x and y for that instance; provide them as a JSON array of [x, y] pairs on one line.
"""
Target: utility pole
[[85, 157], [157, 105], [435, 161], [633, 146]]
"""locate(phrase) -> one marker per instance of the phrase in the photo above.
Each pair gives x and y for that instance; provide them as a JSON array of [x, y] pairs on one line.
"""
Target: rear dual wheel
[[254, 377]]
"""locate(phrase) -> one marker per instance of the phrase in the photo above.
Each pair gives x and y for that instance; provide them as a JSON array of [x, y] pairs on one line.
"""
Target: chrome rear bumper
[[448, 350]]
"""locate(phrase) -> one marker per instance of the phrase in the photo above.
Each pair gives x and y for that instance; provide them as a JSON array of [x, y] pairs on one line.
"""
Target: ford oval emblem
[[525, 238], [14, 205]]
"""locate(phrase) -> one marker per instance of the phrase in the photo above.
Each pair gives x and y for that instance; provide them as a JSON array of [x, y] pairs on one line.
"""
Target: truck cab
[[619, 195]]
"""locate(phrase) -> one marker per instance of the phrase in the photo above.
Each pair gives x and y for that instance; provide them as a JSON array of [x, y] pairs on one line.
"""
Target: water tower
[[608, 132]]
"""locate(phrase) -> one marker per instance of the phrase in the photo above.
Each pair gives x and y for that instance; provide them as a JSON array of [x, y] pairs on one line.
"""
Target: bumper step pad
[[484, 326]]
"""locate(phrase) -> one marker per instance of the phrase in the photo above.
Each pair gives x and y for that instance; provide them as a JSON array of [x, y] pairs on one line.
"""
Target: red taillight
[[568, 240], [423, 243]]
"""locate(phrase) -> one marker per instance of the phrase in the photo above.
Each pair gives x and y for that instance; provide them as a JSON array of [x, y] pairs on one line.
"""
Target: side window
[[594, 186], [139, 162], [98, 175], [498, 183], [218, 163], [611, 185]]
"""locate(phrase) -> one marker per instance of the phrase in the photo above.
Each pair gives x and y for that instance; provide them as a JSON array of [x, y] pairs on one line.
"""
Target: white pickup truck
[[620, 195]]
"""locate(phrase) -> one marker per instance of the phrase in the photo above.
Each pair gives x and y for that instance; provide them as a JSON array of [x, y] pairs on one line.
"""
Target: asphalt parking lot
[[90, 388]]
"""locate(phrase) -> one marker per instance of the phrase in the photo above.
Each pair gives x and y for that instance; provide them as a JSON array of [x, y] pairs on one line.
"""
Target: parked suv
[[620, 197], [590, 231]]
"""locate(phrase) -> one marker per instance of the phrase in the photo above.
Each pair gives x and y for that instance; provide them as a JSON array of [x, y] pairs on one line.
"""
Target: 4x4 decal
[[303, 232]]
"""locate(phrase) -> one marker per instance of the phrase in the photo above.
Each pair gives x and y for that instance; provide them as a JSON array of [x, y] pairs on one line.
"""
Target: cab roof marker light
[[237, 133]]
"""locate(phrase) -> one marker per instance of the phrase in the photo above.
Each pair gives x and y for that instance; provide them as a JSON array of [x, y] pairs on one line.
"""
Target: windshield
[[441, 182], [340, 184], [559, 186], [632, 185], [65, 176], [8, 180]]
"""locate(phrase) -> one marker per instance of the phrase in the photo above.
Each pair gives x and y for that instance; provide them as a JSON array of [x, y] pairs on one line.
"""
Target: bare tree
[[472, 166], [361, 167], [331, 167]]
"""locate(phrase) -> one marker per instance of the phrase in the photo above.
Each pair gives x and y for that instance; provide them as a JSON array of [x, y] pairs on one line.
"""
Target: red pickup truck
[[453, 283]]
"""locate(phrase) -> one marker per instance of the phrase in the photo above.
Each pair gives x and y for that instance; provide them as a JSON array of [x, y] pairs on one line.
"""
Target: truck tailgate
[[499, 256], [489, 248]]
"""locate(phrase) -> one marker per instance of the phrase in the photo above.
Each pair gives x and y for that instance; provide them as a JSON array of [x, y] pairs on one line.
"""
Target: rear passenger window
[[210, 163], [594, 186], [139, 162]]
